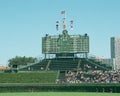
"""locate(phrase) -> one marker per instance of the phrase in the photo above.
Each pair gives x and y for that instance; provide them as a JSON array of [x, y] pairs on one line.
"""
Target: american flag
[[62, 12]]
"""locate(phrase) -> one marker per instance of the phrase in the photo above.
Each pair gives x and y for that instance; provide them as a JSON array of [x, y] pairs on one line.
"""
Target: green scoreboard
[[65, 43]]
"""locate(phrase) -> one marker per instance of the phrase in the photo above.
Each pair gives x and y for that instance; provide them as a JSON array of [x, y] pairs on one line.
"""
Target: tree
[[21, 60]]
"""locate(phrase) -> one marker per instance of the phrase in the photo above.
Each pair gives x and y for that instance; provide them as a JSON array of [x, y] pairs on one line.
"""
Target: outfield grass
[[30, 77], [59, 94]]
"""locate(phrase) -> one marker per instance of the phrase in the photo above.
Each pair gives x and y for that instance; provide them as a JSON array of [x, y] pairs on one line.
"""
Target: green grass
[[30, 77], [59, 94]]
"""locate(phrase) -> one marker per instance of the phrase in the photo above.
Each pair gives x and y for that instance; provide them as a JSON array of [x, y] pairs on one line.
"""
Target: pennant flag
[[62, 12], [71, 25], [71, 21], [57, 22]]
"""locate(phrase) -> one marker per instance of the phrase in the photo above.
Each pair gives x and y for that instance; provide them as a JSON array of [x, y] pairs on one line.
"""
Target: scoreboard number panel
[[65, 43]]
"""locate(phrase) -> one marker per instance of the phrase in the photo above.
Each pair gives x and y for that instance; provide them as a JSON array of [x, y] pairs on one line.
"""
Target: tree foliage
[[21, 60]]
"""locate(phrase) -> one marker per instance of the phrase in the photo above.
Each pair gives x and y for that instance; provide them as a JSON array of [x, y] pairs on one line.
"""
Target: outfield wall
[[115, 88]]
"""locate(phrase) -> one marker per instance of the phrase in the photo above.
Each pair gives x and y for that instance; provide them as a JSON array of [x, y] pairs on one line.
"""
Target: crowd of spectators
[[92, 76]]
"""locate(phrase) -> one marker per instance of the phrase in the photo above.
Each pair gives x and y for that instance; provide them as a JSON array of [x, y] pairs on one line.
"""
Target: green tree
[[21, 60]]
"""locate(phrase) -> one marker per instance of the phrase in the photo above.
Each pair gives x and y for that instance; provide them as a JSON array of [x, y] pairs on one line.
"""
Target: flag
[[71, 25], [71, 21], [62, 12], [57, 22]]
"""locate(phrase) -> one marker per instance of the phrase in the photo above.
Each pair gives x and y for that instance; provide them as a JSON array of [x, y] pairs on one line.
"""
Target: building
[[115, 52]]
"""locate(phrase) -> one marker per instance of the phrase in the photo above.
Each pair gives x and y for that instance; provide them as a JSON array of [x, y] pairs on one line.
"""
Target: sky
[[24, 22]]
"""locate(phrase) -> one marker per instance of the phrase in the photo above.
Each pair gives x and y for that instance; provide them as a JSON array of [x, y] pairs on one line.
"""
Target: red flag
[[62, 12]]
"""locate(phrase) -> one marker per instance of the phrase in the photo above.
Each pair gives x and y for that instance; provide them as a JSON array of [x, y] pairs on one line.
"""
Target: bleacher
[[40, 66], [98, 65], [63, 64], [84, 66]]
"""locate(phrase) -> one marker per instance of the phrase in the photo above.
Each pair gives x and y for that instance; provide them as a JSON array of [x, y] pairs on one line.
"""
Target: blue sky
[[24, 22]]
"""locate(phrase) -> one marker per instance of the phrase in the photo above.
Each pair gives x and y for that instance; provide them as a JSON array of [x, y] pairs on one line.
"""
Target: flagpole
[[64, 20], [65, 15]]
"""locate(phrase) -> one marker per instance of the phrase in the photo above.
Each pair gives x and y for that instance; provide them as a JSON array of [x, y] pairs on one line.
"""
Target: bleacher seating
[[99, 65], [63, 64], [41, 66]]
